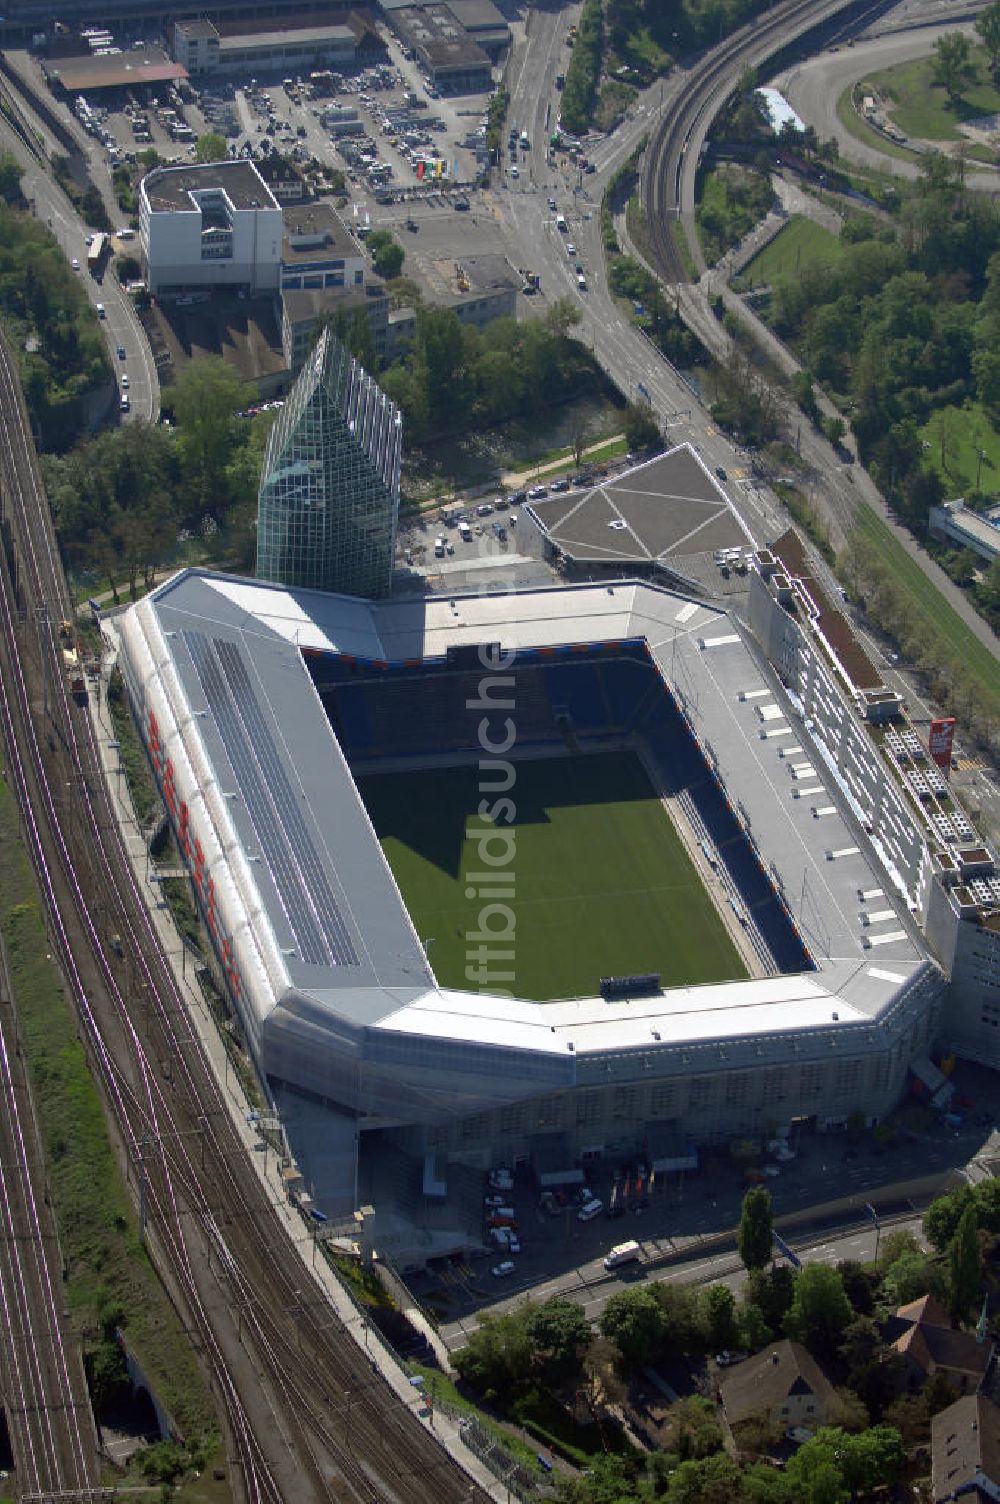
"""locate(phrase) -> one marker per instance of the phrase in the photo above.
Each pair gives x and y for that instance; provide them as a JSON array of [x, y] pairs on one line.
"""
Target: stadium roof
[[664, 510], [323, 937]]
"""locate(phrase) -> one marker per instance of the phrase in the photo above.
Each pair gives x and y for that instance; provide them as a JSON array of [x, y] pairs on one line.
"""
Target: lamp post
[[873, 1214]]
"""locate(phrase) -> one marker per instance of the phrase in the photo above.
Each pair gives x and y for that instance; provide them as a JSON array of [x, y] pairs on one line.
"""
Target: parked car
[[537, 492], [501, 1271]]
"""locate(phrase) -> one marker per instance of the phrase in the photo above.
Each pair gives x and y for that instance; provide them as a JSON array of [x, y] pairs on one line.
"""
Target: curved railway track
[[672, 157], [333, 1429]]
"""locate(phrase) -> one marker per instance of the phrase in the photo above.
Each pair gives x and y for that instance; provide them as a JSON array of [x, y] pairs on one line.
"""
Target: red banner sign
[[939, 743]]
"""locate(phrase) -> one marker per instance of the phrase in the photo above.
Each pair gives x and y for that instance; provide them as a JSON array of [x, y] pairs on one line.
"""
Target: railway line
[[307, 1418], [46, 1403], [671, 165]]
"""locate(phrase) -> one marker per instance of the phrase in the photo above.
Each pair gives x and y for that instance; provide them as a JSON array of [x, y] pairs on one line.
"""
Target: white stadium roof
[[325, 958]]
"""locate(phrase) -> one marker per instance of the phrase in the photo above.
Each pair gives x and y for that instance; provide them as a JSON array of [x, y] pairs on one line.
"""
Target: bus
[[96, 254]]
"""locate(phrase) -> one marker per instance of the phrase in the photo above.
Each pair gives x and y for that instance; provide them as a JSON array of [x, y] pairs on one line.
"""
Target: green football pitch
[[602, 885]]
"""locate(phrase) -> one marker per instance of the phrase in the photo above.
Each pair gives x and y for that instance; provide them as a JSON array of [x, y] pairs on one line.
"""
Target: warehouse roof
[[88, 73]]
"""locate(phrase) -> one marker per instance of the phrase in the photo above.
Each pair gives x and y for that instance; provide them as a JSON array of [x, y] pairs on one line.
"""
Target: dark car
[[460, 204], [121, 352], [517, 498], [720, 472]]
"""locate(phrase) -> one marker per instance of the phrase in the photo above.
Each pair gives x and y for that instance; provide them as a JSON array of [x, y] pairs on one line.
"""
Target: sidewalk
[[515, 478], [364, 1334]]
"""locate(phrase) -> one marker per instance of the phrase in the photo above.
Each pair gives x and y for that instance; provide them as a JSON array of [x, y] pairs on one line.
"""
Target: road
[[591, 1286], [121, 325], [813, 88]]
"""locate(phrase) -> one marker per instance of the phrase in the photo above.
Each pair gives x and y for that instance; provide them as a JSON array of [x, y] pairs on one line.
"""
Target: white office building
[[217, 225]]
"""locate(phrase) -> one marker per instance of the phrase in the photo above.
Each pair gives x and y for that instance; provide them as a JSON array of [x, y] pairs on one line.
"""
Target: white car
[[75, 264], [771, 1171], [570, 248], [501, 1271], [125, 379], [493, 1201], [101, 312], [514, 174]]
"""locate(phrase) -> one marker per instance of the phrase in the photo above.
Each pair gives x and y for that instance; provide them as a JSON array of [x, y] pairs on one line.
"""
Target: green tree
[[942, 1217], [987, 24], [756, 1224], [952, 61], [772, 1290], [718, 1314], [10, 177], [205, 399], [965, 1267], [559, 1330], [820, 1310], [211, 147], [712, 1480], [834, 428], [497, 1358], [633, 1321], [386, 253], [640, 426]]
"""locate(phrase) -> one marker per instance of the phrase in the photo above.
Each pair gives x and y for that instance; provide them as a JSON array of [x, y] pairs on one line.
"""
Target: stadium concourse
[[260, 706]]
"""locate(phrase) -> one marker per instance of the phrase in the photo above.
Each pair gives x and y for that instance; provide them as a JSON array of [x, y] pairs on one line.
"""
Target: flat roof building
[[209, 226], [454, 61], [956, 523], [329, 493], [90, 73]]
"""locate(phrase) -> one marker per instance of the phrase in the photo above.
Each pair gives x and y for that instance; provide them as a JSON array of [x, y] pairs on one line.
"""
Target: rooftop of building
[[439, 36], [478, 15], [761, 1383], [923, 1332], [827, 620], [965, 1446], [313, 229], [307, 304], [355, 16], [197, 30], [700, 651], [983, 529], [169, 189], [668, 508], [275, 39], [129, 69]]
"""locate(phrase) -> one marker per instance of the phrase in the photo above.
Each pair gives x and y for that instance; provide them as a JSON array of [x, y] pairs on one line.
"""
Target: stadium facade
[[328, 504], [257, 702]]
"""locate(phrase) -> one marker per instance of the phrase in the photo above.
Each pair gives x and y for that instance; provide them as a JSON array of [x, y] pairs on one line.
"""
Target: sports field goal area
[[596, 877]]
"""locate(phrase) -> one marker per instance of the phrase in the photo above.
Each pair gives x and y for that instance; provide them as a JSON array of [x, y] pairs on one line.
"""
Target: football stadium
[[528, 877]]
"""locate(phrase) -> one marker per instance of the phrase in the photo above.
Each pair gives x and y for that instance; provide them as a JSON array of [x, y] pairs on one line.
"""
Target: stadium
[[532, 877]]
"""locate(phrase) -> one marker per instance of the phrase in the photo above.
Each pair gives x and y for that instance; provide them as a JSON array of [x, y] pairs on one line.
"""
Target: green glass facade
[[328, 504]]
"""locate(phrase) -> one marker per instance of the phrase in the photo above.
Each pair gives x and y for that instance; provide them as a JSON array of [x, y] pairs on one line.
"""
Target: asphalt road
[[813, 88], [592, 1287]]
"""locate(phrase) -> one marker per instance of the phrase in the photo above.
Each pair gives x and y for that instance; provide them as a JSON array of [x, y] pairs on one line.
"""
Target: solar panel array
[[303, 888]]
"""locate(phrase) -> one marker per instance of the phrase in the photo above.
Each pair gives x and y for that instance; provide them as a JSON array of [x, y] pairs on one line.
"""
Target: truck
[[71, 662], [96, 253], [623, 1253]]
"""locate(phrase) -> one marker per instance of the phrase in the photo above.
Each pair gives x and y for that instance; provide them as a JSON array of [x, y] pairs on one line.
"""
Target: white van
[[561, 224], [623, 1253], [591, 1210], [439, 548], [465, 533]]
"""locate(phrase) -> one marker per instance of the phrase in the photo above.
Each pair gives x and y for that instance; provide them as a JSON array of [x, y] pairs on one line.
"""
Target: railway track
[[307, 1417], [672, 157], [45, 1393]]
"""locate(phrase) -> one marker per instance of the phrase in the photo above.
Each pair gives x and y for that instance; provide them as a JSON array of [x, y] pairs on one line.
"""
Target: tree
[[640, 426], [965, 1267], [601, 1384], [772, 1291], [10, 177], [563, 316], [834, 429], [820, 1311], [713, 1480], [942, 1217], [754, 1240], [498, 1356], [205, 398], [952, 61], [633, 1321], [718, 1311], [559, 1329], [692, 1429], [386, 253], [211, 147], [987, 24]]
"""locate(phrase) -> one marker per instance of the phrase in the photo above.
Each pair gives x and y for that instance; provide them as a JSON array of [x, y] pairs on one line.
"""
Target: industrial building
[[302, 311], [220, 48], [479, 290], [216, 225], [136, 68], [329, 493], [452, 59]]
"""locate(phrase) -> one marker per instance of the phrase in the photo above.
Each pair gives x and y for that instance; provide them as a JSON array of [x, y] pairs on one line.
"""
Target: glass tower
[[329, 494]]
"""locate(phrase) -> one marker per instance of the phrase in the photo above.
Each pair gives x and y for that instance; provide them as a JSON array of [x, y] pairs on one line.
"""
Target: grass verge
[[109, 1279], [866, 134], [443, 1389], [939, 621], [954, 436], [922, 109], [799, 243], [132, 756]]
